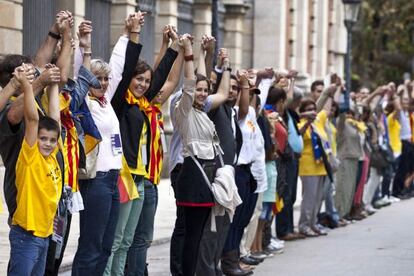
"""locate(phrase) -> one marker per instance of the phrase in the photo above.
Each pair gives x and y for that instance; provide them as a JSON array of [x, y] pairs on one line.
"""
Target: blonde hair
[[100, 67]]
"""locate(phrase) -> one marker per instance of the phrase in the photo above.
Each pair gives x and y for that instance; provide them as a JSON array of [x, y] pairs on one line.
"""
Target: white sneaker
[[370, 209], [277, 245], [277, 240], [384, 201], [393, 199]]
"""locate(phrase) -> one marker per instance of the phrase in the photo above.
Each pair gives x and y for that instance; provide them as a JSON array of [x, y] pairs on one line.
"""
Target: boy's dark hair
[[142, 67], [316, 83], [45, 122], [275, 95], [7, 65], [305, 103]]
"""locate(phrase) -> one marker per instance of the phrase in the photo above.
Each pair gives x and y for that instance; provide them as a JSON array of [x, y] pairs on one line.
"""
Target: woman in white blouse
[[100, 193], [200, 140]]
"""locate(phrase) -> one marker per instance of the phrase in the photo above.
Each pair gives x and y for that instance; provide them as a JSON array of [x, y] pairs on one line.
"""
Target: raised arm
[[205, 58], [186, 102], [48, 76], [174, 77], [53, 95], [244, 101], [324, 100], [14, 85], [222, 94], [162, 71], [31, 116], [45, 52], [292, 74], [210, 48], [64, 59], [133, 51], [164, 44]]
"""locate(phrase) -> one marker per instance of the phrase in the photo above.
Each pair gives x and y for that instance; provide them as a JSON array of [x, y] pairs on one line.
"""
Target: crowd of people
[[94, 143]]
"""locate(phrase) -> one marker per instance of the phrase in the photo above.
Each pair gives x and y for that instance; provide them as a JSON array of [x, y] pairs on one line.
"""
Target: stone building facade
[[308, 35]]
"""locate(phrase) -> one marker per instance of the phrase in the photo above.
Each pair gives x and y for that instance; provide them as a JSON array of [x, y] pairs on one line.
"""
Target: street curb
[[67, 266]]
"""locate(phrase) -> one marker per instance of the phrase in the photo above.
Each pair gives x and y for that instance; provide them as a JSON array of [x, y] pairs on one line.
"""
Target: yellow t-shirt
[[307, 163], [39, 187], [394, 129], [333, 141], [141, 169]]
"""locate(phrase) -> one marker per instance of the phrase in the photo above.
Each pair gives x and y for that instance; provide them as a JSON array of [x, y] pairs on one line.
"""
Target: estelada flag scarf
[[154, 116]]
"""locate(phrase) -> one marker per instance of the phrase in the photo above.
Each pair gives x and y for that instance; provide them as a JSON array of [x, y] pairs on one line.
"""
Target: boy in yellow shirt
[[38, 183]]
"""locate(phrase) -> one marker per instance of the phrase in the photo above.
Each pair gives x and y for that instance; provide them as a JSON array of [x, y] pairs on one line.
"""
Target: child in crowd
[[38, 182]]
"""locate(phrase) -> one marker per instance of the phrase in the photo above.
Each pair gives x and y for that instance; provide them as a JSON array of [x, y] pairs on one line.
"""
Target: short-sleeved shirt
[[394, 129], [308, 166], [10, 143], [39, 186], [294, 138], [249, 130]]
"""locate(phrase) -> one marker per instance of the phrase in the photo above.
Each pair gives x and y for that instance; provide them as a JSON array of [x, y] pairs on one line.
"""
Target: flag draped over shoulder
[[154, 115]]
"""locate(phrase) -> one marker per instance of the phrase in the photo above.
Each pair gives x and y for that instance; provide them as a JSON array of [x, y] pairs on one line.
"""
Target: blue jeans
[[137, 254], [329, 200], [27, 253], [97, 223]]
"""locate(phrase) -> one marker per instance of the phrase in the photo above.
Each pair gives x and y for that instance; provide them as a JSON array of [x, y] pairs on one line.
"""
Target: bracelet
[[87, 53], [245, 87], [134, 32], [189, 58], [53, 35]]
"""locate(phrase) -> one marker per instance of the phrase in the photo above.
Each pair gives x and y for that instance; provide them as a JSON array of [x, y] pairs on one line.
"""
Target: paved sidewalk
[[164, 222]]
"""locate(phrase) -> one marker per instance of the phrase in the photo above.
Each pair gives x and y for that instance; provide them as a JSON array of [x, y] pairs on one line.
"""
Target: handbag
[[224, 190], [378, 158], [88, 171]]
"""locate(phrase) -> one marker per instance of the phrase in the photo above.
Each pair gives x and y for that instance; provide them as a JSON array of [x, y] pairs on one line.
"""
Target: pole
[[215, 26], [346, 103], [348, 56]]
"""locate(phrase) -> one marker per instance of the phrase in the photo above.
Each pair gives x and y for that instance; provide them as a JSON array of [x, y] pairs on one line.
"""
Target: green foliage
[[383, 41]]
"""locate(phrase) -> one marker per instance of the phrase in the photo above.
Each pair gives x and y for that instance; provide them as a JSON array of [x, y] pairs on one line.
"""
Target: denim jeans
[[178, 235], [27, 253], [129, 214], [97, 223], [137, 254], [329, 199], [244, 211], [284, 219]]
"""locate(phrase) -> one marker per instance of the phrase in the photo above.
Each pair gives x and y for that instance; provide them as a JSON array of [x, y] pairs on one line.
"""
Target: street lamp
[[351, 17]]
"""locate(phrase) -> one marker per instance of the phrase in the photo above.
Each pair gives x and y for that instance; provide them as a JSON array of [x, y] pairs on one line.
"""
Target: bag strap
[[201, 170]]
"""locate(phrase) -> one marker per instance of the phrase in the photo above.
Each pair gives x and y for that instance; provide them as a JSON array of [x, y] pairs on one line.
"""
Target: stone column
[[234, 29], [322, 24], [337, 39], [202, 10], [269, 34], [120, 9], [301, 30], [167, 13], [11, 27]]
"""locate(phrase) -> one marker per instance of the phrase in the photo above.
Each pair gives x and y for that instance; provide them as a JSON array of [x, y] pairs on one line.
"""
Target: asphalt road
[[381, 245]]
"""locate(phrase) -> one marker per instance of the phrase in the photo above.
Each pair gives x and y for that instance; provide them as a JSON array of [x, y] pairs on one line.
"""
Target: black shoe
[[250, 261], [230, 264], [237, 272]]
